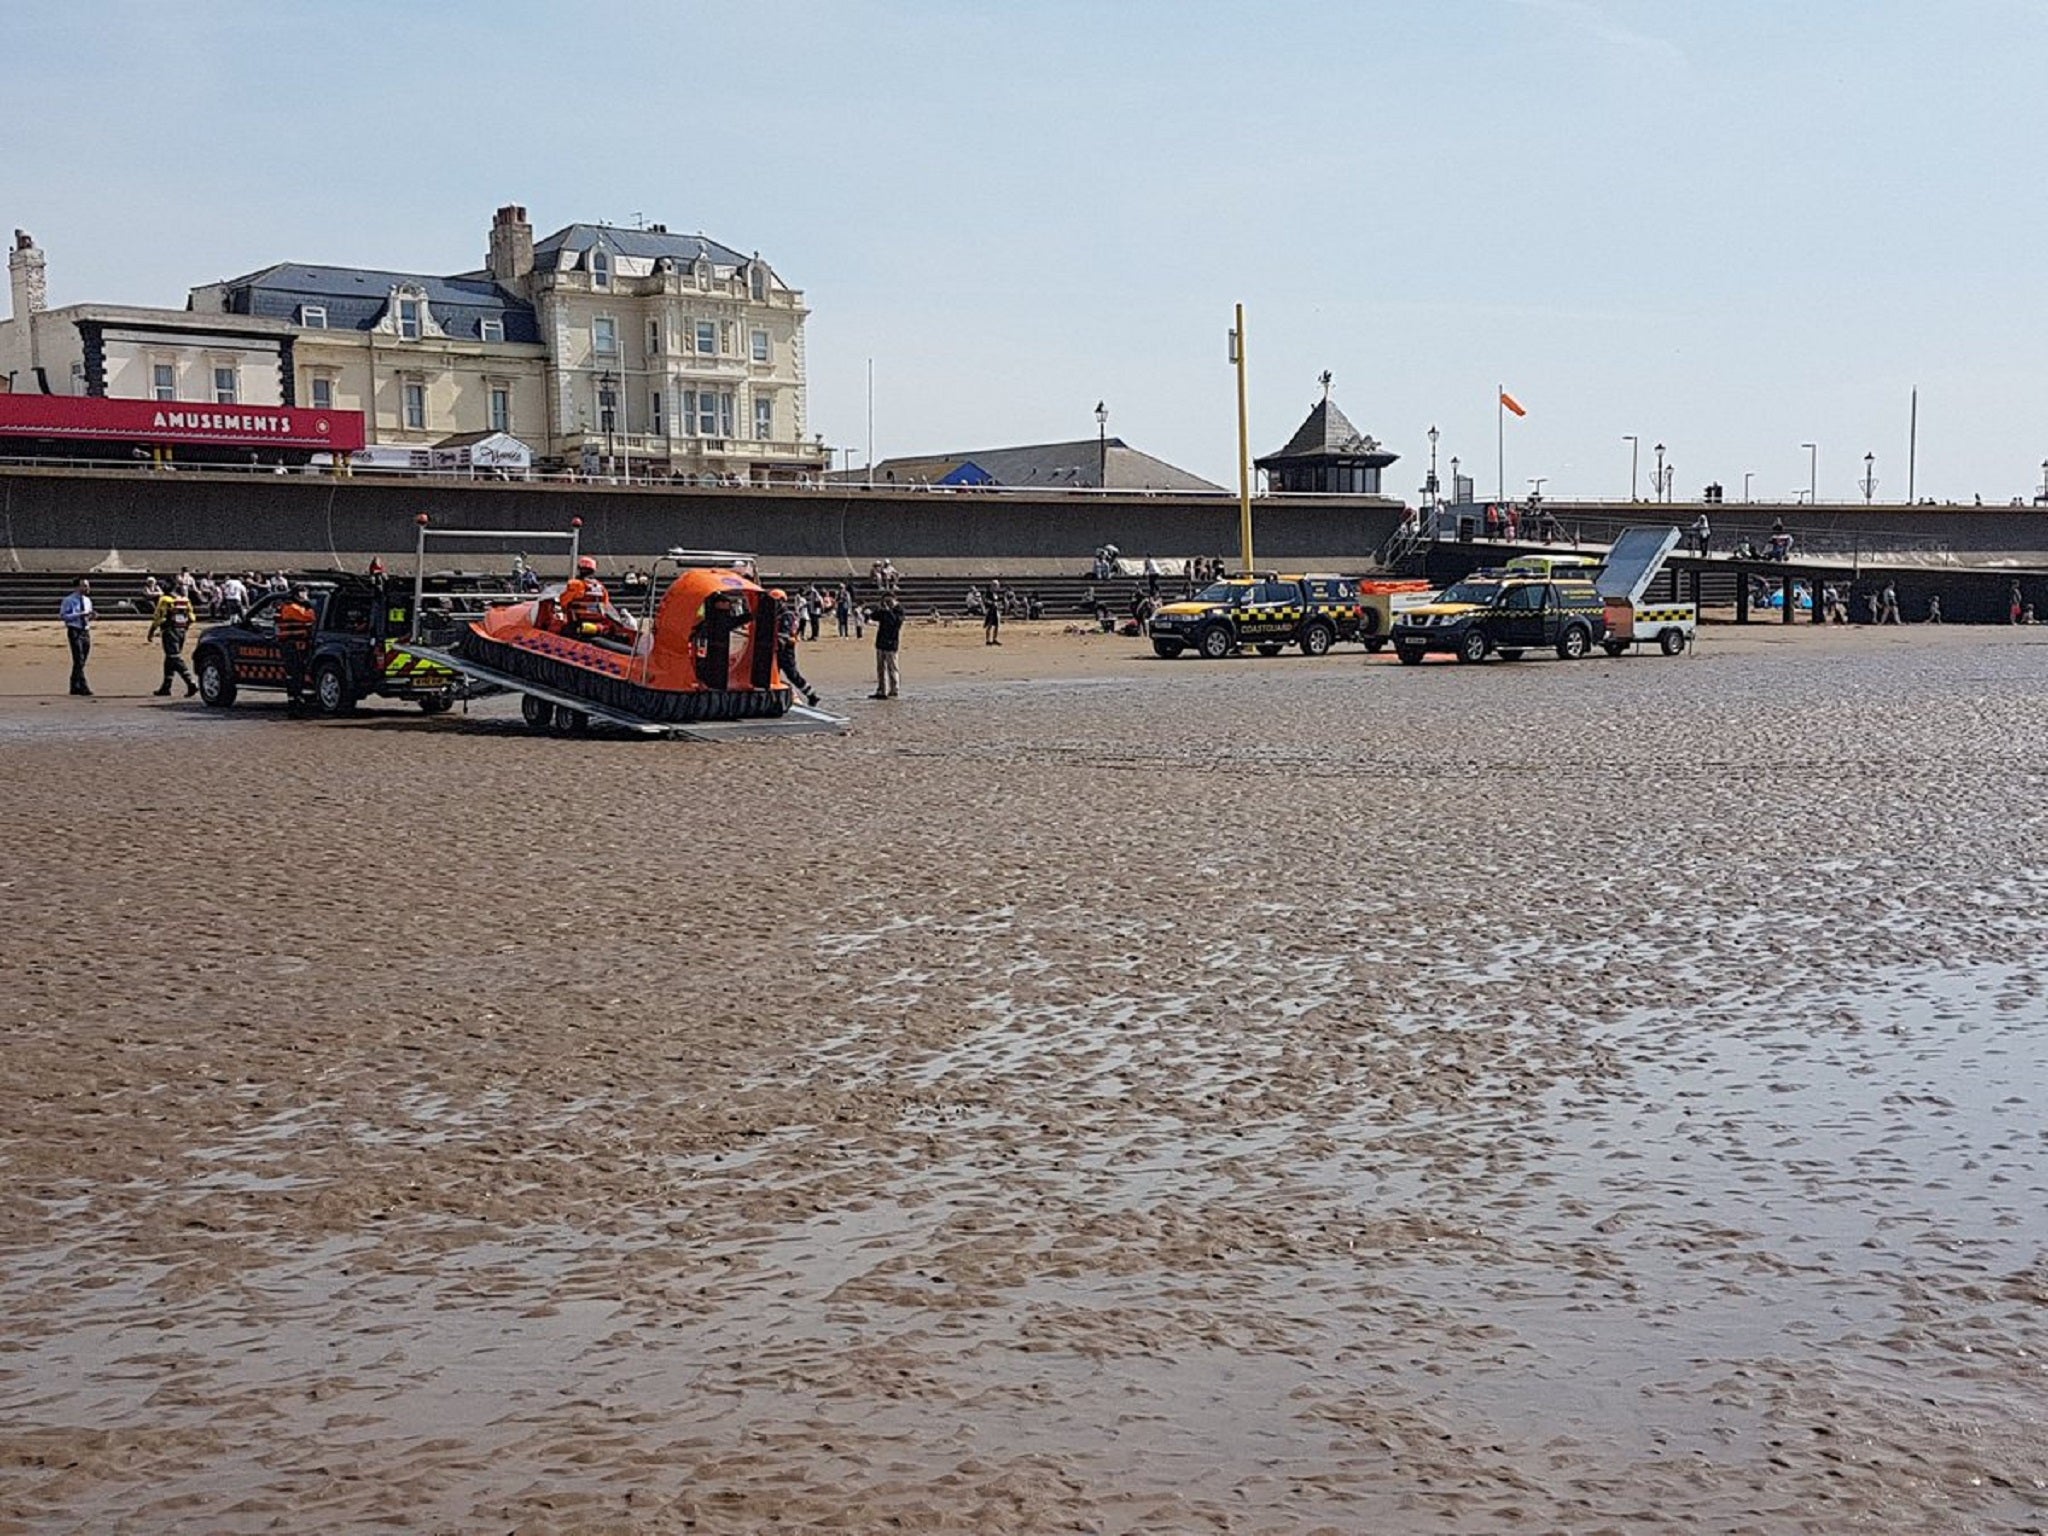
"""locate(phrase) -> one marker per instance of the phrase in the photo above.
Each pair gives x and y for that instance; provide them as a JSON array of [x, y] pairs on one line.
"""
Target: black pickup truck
[[361, 623], [1508, 612], [1264, 612]]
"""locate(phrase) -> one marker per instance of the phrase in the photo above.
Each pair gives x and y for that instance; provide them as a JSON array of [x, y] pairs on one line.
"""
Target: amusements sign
[[89, 418]]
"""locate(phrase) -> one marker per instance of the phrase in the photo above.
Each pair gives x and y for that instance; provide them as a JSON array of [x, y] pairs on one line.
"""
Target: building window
[[164, 381], [604, 335], [226, 387], [409, 319], [654, 338], [654, 421], [725, 337], [761, 352], [707, 337], [764, 419], [600, 269], [757, 280], [607, 410], [714, 413], [313, 316], [490, 330], [415, 406], [323, 394], [501, 408]]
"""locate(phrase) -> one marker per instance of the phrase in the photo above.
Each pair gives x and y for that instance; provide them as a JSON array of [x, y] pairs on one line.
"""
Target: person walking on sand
[[842, 609], [76, 612], [1889, 605], [172, 622], [888, 617], [2015, 604]]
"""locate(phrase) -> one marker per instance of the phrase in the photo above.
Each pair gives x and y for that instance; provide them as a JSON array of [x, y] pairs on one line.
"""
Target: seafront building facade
[[610, 351]]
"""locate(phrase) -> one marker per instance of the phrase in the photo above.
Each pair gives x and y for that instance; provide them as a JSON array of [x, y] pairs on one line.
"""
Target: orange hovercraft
[[706, 651]]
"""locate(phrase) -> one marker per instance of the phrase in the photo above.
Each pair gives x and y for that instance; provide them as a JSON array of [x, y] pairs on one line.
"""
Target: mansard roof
[[562, 250], [355, 298]]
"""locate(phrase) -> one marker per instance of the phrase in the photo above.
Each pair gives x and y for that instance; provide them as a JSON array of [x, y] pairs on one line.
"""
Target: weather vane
[[1324, 379]]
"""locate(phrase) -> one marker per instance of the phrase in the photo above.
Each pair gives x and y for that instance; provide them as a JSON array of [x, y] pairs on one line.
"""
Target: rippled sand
[[1095, 1094]]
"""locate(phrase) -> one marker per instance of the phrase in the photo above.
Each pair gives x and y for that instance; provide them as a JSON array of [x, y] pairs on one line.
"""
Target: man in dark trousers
[[171, 623], [992, 615], [76, 612], [295, 620], [888, 617], [789, 623]]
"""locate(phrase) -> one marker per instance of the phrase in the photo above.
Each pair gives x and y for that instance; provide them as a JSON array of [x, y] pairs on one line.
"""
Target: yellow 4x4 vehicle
[[1265, 612], [1512, 612]]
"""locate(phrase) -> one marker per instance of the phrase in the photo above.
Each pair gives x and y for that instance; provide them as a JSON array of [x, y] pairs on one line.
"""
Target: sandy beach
[[1090, 1094]]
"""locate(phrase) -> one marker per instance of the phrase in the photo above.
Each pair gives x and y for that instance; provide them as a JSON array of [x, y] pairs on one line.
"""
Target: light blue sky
[[1733, 226]]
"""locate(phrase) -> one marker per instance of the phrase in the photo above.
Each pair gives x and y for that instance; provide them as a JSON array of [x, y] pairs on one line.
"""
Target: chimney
[[25, 276], [511, 259]]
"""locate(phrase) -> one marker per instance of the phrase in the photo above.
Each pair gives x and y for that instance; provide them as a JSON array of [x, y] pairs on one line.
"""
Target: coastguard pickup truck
[[1264, 612], [355, 652], [1509, 613]]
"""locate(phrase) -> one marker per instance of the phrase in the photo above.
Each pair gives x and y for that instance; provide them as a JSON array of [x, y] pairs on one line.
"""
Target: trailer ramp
[[799, 719]]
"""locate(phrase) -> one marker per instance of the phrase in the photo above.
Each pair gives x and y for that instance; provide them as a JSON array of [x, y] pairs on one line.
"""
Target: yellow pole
[[1244, 451]]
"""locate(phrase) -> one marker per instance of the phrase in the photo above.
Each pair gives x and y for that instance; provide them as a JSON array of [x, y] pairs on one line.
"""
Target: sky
[[1732, 228]]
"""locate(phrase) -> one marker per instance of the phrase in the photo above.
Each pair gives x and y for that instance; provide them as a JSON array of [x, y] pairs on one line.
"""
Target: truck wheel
[[1369, 624], [1315, 640], [216, 680], [330, 688], [1376, 644], [1216, 643], [1472, 648], [1614, 647], [1167, 648], [571, 722], [1510, 655], [1671, 642], [537, 713], [1411, 655], [435, 703], [1572, 644]]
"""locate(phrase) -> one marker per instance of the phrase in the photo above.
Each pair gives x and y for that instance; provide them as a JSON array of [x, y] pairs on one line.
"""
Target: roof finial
[[1324, 379]]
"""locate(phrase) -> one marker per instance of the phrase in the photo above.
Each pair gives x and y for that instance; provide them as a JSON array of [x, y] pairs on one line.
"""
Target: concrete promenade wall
[[68, 520]]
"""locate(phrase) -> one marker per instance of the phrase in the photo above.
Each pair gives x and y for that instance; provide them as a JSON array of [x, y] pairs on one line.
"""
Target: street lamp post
[[607, 411], [1634, 447], [2044, 480], [1812, 472], [1659, 483], [1746, 474], [1101, 446], [1429, 488], [1869, 477]]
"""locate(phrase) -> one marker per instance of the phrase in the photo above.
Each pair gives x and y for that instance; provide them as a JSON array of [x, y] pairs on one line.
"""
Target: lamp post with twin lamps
[[1812, 472], [1101, 446]]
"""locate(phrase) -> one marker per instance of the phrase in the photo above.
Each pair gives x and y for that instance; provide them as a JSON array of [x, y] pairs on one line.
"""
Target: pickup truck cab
[[1264, 612], [360, 623], [1509, 612]]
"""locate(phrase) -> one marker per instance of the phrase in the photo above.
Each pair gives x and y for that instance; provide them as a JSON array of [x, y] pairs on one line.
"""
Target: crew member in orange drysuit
[[584, 601]]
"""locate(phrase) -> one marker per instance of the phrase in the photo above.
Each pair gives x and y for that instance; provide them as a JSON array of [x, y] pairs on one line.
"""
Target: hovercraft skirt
[[656, 704]]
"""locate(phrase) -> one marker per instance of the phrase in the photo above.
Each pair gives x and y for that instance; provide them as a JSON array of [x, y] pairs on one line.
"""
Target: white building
[[611, 350]]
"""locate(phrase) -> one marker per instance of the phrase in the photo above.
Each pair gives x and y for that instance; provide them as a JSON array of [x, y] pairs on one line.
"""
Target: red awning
[[88, 418]]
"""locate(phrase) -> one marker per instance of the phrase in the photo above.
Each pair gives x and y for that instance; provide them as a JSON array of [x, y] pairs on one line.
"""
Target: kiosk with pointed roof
[[1327, 453]]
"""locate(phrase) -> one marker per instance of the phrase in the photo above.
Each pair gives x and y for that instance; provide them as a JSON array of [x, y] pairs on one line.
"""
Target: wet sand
[[1092, 1094]]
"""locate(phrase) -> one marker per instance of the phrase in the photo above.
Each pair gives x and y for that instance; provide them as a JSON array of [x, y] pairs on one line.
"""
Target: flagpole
[[1500, 445]]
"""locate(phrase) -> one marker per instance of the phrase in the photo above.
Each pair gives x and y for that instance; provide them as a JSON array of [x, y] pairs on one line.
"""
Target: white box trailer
[[1634, 561]]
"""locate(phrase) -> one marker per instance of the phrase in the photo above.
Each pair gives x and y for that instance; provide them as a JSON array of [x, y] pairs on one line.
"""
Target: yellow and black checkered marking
[[1664, 615], [405, 666]]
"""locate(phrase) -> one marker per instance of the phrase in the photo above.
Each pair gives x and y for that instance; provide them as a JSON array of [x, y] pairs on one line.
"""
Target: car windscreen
[[1482, 593], [1220, 592]]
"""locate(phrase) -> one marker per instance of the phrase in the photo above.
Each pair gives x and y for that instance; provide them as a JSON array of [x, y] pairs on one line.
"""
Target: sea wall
[[64, 520]]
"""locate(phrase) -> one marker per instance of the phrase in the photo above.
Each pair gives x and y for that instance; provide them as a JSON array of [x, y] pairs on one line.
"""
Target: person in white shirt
[[76, 612], [234, 598]]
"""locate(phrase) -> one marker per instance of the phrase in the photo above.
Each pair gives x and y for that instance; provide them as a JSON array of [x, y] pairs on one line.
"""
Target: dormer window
[[757, 280], [409, 319], [600, 268], [490, 330], [313, 316]]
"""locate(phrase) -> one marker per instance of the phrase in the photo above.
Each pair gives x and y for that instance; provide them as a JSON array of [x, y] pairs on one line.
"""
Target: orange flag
[[1512, 403]]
